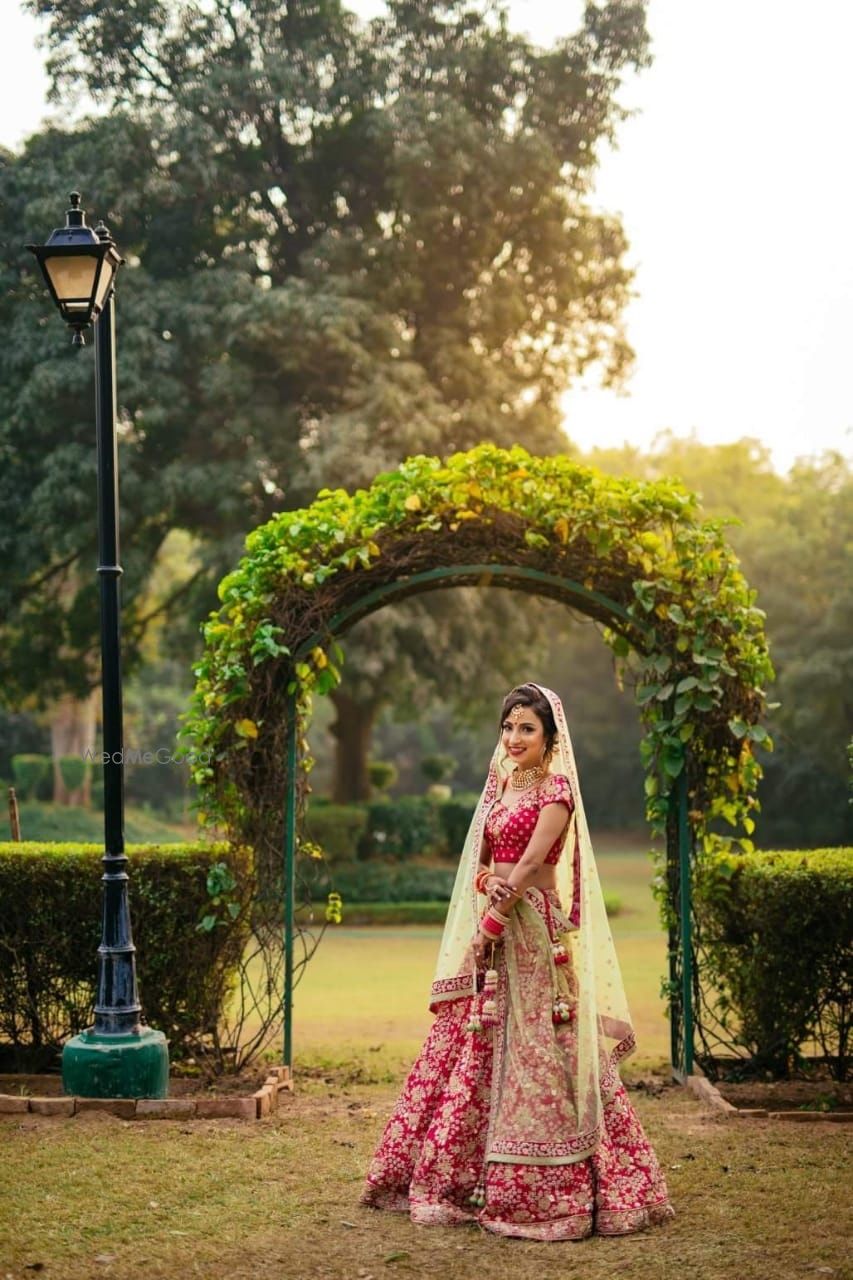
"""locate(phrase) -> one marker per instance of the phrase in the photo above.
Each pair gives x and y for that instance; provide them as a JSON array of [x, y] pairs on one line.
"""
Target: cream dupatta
[[549, 1082]]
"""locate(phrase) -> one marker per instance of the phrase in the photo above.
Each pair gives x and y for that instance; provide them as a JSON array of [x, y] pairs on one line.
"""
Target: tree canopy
[[346, 242]]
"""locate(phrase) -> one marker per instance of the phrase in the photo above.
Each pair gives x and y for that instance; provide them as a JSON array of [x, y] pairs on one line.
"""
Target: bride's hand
[[500, 892]]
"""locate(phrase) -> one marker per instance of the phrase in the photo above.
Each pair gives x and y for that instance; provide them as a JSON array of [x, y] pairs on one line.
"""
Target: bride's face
[[523, 737]]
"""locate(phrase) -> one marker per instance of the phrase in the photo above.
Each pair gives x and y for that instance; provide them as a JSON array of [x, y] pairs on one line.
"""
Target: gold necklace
[[524, 777]]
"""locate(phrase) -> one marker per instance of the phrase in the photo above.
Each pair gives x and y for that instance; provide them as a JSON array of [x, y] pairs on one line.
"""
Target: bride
[[513, 1115]]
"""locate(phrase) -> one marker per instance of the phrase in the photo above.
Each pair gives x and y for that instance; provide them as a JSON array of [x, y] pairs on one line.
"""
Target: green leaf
[[673, 764]]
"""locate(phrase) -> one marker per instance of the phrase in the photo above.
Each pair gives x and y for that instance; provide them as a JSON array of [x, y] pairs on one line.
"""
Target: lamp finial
[[75, 216]]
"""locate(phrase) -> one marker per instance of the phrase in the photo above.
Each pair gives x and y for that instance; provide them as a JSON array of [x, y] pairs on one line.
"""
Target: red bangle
[[481, 878], [493, 923]]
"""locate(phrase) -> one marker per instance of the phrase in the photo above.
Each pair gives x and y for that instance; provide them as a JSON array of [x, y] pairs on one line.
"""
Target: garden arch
[[635, 556]]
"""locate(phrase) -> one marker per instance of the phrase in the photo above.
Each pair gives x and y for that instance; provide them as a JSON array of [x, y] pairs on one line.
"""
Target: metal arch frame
[[498, 575]]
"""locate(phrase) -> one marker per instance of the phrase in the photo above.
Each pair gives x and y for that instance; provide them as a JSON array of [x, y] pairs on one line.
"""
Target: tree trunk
[[72, 732], [352, 729]]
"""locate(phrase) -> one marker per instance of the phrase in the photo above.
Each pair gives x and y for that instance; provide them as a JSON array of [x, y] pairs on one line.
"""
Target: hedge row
[[376, 913], [188, 945], [358, 882], [777, 930], [409, 826], [389, 882]]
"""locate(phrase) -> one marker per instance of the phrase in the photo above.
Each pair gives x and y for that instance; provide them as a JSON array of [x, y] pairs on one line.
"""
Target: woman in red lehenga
[[513, 1115]]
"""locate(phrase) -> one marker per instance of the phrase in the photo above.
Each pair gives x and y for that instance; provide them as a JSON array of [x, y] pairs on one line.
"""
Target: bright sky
[[736, 193]]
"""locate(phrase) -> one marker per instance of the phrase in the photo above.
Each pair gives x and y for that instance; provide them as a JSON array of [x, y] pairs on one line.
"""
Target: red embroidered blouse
[[508, 831]]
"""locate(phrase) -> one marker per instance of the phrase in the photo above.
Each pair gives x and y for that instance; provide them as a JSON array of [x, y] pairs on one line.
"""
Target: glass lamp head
[[79, 267]]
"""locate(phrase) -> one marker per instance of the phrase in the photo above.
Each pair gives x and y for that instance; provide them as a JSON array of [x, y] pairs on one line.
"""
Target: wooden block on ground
[[285, 1079], [753, 1113], [52, 1106], [798, 1117], [12, 1104], [223, 1108], [271, 1083], [263, 1101], [123, 1107], [165, 1108]]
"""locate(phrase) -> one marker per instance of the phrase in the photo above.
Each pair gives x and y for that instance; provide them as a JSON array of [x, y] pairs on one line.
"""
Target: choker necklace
[[523, 777]]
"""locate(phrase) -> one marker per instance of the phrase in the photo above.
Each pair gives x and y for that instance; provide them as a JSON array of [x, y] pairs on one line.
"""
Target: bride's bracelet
[[481, 878], [493, 923]]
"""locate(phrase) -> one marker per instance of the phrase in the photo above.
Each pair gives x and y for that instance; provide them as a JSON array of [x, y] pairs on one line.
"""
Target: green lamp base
[[123, 1066]]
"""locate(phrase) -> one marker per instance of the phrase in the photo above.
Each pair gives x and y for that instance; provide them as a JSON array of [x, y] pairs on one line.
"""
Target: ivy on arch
[[636, 556]]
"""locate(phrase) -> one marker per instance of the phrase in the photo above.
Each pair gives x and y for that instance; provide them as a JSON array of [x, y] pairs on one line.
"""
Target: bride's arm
[[485, 858]]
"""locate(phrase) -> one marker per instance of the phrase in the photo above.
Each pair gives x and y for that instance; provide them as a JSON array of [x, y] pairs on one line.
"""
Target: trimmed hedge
[[403, 828], [383, 885], [29, 770], [337, 828], [379, 913], [375, 881], [776, 930], [50, 928], [455, 818]]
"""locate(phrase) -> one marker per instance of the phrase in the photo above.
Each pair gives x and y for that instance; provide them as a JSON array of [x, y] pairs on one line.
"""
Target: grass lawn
[[365, 993], [60, 822], [277, 1200]]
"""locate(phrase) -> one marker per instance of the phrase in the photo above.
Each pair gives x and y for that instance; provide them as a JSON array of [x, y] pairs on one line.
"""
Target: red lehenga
[[514, 1116], [431, 1158]]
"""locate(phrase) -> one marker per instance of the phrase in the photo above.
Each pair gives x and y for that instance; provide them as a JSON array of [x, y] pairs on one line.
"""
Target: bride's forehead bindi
[[523, 716]]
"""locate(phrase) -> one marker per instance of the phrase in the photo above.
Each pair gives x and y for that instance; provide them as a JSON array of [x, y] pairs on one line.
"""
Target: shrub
[[378, 913], [390, 882], [386, 882], [403, 828], [436, 768], [382, 774], [50, 928], [336, 828], [776, 928], [455, 817], [73, 771], [28, 771]]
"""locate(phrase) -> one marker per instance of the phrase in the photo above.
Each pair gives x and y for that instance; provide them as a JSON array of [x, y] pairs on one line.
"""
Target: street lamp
[[118, 1057]]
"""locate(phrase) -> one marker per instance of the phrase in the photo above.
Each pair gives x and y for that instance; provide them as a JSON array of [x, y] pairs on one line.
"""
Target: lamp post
[[117, 1057]]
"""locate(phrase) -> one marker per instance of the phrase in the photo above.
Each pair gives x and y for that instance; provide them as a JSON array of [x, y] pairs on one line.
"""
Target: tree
[[793, 534], [399, 255]]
